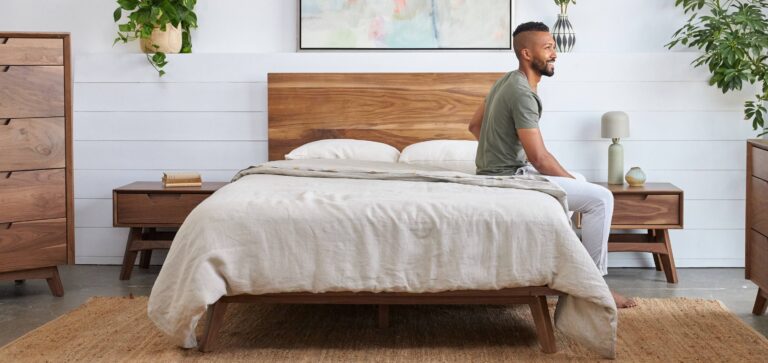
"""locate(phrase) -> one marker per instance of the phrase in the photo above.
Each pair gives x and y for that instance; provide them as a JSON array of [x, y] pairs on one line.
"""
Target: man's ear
[[525, 53]]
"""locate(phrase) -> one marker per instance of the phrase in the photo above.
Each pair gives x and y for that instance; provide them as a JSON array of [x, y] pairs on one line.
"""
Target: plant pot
[[564, 35], [168, 41]]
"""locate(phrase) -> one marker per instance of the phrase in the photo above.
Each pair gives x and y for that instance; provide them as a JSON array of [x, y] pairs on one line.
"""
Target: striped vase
[[564, 35]]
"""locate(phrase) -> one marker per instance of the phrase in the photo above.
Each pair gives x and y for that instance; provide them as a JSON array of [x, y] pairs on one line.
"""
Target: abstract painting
[[405, 24]]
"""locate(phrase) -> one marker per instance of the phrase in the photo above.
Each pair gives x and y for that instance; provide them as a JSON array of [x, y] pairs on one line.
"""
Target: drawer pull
[[6, 225], [6, 122], [6, 68], [164, 195], [634, 197], [8, 176], [4, 40]]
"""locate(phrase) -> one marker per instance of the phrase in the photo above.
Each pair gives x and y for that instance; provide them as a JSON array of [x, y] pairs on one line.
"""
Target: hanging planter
[[562, 31]]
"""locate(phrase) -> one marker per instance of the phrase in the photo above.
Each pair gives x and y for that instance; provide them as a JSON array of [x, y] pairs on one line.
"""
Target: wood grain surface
[[27, 144], [758, 259], [31, 52], [31, 91], [760, 163], [395, 108], [27, 245], [758, 204], [32, 195], [155, 209], [646, 210]]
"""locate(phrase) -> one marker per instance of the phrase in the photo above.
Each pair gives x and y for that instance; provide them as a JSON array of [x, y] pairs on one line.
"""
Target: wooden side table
[[655, 207], [145, 206]]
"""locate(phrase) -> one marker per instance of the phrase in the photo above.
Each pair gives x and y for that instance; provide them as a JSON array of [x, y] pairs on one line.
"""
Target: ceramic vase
[[564, 35], [615, 163], [635, 177]]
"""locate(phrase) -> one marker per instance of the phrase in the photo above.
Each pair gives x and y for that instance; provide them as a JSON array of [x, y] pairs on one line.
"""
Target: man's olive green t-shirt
[[510, 105]]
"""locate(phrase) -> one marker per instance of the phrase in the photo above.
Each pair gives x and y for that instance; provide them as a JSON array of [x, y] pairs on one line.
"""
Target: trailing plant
[[146, 15], [564, 5], [734, 37]]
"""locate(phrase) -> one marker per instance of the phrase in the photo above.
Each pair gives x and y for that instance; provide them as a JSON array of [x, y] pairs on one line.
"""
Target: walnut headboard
[[395, 108]]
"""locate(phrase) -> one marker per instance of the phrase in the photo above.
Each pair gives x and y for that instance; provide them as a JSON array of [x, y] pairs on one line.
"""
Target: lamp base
[[616, 163]]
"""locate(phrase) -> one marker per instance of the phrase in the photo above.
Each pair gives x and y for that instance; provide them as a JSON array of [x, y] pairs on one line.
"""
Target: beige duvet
[[334, 225]]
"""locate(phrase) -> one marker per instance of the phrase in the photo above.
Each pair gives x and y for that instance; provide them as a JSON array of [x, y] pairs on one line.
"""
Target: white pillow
[[456, 155], [345, 149]]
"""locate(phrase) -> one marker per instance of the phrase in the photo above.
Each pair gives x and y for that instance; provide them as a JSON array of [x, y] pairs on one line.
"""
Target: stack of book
[[182, 179]]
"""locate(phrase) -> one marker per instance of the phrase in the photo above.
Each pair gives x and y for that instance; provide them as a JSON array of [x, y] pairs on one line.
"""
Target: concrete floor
[[27, 306]]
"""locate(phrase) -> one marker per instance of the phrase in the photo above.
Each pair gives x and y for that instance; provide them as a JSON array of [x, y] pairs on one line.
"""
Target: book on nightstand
[[182, 179]]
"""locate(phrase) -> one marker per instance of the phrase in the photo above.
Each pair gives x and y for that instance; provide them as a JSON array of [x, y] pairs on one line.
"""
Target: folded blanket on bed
[[339, 225]]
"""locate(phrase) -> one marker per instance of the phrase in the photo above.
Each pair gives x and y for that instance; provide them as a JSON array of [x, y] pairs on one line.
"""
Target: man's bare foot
[[623, 302]]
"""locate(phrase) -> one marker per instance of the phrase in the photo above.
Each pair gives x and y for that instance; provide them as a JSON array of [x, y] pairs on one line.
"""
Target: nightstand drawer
[[31, 52], [33, 143], [31, 91], [32, 195], [644, 209], [156, 209], [35, 244], [759, 163], [758, 259], [758, 204]]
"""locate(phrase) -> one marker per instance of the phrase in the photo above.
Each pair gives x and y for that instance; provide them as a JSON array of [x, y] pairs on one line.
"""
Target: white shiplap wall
[[208, 113]]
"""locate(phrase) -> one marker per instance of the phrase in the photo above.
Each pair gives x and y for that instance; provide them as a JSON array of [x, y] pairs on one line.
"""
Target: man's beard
[[541, 67]]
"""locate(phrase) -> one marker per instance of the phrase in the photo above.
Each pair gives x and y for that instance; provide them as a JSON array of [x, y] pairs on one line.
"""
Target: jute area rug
[[118, 330]]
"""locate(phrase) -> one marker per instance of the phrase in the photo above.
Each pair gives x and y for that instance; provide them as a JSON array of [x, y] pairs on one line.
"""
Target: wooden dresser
[[36, 189], [757, 221]]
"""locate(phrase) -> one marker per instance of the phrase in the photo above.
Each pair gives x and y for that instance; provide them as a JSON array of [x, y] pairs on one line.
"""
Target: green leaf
[[117, 14], [128, 4]]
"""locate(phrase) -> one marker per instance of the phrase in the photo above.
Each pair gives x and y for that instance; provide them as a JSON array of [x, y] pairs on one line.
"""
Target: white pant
[[596, 206]]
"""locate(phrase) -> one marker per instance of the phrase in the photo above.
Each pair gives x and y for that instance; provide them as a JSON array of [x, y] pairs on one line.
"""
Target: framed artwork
[[405, 24]]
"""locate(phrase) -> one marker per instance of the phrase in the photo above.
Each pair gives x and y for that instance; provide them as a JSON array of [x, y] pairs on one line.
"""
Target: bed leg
[[215, 319], [383, 316], [544, 330]]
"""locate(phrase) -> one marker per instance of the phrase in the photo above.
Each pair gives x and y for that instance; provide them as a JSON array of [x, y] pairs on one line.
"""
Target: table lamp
[[615, 125]]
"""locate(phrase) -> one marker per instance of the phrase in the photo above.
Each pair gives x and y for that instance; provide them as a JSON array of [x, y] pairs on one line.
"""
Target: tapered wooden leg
[[146, 256], [130, 256], [54, 283], [216, 314], [761, 302], [383, 316], [541, 318], [667, 260], [657, 262]]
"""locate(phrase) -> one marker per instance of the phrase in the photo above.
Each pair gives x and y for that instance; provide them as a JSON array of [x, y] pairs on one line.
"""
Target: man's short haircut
[[531, 26]]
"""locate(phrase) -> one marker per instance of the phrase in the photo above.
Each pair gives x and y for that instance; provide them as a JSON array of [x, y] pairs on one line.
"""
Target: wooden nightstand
[[145, 206], [656, 207]]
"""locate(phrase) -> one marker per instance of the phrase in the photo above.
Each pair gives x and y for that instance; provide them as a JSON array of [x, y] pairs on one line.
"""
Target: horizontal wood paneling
[[171, 126], [570, 67], [170, 97], [91, 184], [191, 155]]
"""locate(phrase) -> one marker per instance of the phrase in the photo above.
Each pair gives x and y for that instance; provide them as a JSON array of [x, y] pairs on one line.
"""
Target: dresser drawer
[[31, 52], [28, 245], [155, 209], [27, 91], [27, 144], [758, 204], [644, 209], [759, 162], [757, 259], [31, 195]]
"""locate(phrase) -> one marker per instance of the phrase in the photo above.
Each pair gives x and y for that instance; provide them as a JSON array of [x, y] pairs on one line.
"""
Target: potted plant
[[734, 38], [163, 26], [563, 32]]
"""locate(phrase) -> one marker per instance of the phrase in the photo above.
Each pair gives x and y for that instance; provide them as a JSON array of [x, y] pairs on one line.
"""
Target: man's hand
[[476, 123], [538, 155]]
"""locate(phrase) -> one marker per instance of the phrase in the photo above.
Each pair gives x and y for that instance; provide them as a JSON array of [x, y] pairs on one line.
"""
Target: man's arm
[[476, 123], [538, 155]]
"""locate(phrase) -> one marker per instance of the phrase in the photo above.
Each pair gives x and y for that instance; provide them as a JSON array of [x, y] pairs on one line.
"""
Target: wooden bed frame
[[398, 109]]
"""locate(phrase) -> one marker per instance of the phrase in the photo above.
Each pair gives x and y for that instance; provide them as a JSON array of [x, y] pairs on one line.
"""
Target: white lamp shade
[[615, 125]]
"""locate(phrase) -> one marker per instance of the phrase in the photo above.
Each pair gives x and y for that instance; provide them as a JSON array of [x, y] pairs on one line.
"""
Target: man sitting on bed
[[507, 125]]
